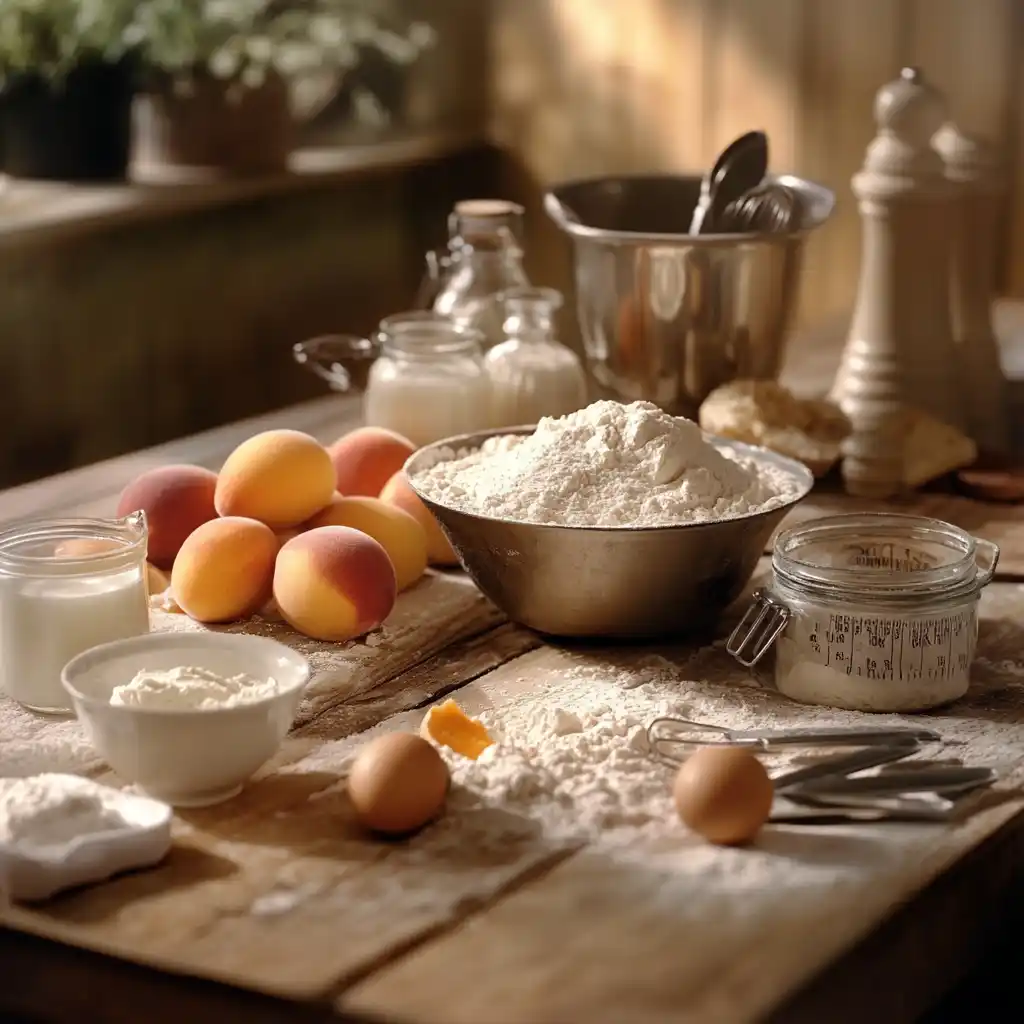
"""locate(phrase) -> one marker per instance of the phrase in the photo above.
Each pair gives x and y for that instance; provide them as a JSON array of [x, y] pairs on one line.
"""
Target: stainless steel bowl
[[667, 316], [582, 581]]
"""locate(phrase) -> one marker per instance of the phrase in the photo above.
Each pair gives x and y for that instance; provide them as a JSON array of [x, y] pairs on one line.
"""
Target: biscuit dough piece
[[765, 413]]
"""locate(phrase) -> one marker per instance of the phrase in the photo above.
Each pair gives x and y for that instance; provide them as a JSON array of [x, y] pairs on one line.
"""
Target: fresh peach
[[280, 477], [399, 493], [283, 536], [365, 459], [176, 500], [225, 570], [396, 531], [334, 583]]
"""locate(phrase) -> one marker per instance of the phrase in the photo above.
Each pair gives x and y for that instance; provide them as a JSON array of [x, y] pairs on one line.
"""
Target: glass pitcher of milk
[[420, 375]]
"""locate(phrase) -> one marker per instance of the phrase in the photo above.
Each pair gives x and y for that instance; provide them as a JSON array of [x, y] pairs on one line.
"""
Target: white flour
[[585, 773], [191, 689], [52, 809], [610, 465]]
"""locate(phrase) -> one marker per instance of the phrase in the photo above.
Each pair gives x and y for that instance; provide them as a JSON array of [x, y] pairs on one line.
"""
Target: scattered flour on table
[[610, 465], [53, 809], [572, 764]]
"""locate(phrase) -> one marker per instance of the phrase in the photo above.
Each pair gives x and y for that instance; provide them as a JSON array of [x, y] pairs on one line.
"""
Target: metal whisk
[[671, 739], [768, 208], [900, 790]]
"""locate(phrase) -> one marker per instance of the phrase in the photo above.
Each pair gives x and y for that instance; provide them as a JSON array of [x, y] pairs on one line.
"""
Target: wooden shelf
[[43, 210]]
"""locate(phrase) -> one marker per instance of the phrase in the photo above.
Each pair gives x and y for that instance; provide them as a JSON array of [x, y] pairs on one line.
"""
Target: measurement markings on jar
[[880, 647], [889, 556]]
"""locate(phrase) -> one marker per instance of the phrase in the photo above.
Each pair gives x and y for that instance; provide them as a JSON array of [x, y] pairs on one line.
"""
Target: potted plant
[[222, 74], [66, 83]]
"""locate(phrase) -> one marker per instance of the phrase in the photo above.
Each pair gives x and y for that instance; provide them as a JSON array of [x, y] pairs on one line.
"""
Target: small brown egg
[[723, 794], [398, 783]]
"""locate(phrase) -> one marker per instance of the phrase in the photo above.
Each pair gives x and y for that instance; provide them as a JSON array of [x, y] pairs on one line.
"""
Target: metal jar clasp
[[764, 620]]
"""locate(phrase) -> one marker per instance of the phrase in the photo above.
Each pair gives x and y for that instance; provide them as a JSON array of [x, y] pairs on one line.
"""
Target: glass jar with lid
[[421, 375], [484, 259], [869, 612], [532, 374], [66, 585]]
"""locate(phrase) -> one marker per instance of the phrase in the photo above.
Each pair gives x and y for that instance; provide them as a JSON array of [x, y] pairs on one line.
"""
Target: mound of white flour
[[606, 465]]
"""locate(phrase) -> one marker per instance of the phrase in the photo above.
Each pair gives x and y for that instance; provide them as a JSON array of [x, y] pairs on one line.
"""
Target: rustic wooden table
[[275, 907]]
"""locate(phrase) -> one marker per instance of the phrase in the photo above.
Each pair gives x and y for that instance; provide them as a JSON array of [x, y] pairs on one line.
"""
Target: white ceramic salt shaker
[[972, 167], [900, 350]]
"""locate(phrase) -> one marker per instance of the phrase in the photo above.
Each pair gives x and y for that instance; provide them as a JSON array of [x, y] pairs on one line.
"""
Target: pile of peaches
[[332, 534]]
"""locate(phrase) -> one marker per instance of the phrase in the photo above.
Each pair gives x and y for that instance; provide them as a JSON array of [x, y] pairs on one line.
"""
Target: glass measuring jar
[[420, 375], [869, 612], [66, 585]]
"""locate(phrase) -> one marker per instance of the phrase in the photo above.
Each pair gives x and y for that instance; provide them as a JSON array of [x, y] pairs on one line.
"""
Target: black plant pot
[[78, 129]]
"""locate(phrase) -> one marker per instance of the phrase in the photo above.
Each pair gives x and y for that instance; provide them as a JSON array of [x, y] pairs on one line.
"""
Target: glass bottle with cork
[[484, 259]]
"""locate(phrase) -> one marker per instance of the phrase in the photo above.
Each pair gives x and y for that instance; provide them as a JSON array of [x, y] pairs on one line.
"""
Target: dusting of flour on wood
[[570, 758], [441, 608], [569, 799], [571, 764]]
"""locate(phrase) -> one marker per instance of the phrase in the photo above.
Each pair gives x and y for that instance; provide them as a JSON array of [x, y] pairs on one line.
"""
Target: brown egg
[[723, 794], [398, 783]]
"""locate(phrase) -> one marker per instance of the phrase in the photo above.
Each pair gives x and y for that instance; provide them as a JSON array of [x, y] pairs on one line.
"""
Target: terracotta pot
[[214, 127], [76, 130]]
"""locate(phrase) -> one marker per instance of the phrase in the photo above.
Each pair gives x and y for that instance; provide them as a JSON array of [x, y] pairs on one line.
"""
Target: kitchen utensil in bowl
[[739, 167], [768, 208], [187, 758], [668, 316], [582, 581]]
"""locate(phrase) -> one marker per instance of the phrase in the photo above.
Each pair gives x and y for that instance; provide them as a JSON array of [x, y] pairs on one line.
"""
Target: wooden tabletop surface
[[812, 925]]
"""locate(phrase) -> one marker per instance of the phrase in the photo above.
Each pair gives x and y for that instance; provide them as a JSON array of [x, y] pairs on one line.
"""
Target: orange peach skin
[[397, 492], [334, 583], [225, 570], [280, 477], [396, 531], [365, 459], [176, 500]]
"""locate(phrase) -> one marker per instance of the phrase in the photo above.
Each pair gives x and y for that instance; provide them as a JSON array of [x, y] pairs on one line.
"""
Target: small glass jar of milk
[[421, 375], [429, 381], [66, 585]]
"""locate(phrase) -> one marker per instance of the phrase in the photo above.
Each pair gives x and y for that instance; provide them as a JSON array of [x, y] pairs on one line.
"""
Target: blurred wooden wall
[[588, 87]]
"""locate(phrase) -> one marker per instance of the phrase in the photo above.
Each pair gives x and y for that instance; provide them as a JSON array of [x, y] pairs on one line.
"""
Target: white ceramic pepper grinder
[[972, 167], [900, 350]]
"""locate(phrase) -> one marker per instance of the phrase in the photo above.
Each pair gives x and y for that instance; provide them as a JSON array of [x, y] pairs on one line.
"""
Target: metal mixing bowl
[[667, 316], [584, 581]]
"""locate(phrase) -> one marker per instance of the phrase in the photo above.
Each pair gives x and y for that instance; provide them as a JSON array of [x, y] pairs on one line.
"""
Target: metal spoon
[[941, 780], [846, 764], [740, 167]]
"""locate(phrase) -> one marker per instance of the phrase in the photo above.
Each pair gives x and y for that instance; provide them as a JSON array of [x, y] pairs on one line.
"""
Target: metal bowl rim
[[670, 240], [474, 440]]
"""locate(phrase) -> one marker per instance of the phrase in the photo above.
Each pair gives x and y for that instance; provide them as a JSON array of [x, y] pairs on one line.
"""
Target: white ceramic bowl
[[187, 758]]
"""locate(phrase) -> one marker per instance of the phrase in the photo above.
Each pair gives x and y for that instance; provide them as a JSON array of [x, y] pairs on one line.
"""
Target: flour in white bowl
[[191, 689], [609, 465]]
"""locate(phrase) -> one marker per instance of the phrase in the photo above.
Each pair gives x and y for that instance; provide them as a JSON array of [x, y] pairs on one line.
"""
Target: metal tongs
[[830, 790]]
